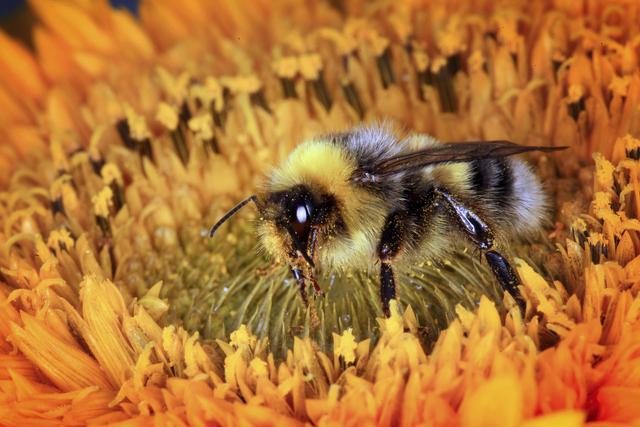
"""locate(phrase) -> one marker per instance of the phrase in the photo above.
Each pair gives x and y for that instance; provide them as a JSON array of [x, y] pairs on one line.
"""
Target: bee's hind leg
[[506, 276], [480, 234], [391, 240]]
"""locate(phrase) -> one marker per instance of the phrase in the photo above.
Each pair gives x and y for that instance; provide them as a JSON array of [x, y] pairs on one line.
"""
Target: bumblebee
[[368, 197]]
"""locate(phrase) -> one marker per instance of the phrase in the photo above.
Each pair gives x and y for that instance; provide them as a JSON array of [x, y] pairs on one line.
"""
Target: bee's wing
[[443, 153]]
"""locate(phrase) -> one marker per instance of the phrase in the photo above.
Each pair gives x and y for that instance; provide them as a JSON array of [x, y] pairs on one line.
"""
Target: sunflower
[[125, 138]]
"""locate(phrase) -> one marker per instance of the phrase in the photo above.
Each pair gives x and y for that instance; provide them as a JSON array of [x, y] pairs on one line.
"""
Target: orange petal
[[11, 110], [20, 69], [162, 24], [54, 56], [73, 25], [619, 404], [26, 139], [499, 400], [131, 36]]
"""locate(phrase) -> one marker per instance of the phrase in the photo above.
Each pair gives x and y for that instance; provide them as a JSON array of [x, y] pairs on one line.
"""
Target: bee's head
[[307, 201], [296, 220]]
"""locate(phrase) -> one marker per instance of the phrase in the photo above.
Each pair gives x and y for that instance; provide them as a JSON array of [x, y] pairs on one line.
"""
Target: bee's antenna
[[253, 198]]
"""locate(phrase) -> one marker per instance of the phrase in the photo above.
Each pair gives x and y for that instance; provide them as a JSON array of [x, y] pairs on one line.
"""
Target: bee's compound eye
[[301, 214], [301, 220]]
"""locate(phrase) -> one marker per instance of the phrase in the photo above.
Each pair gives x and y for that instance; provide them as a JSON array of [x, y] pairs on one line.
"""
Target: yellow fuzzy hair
[[326, 167], [455, 176]]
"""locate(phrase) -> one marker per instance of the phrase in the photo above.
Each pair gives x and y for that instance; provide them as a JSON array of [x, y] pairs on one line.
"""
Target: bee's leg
[[313, 242], [389, 246], [316, 288], [299, 276], [387, 287], [473, 226], [480, 233], [506, 276]]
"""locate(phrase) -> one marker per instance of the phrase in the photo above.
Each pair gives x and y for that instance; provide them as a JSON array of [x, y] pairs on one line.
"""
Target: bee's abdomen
[[492, 177], [510, 193]]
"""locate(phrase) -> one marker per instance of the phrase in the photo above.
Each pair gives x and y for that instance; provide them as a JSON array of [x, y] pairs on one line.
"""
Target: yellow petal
[[562, 418], [345, 345], [65, 365], [102, 329]]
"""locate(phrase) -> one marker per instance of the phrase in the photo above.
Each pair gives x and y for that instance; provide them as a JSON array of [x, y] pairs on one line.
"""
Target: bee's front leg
[[302, 286], [479, 232], [313, 242], [314, 282], [391, 240]]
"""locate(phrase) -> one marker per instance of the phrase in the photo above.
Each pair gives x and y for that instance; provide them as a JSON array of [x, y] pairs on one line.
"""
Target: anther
[[383, 62], [352, 97], [320, 90], [598, 247], [288, 88], [258, 98]]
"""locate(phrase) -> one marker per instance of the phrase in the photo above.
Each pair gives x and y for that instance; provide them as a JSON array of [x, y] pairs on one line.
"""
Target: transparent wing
[[443, 153]]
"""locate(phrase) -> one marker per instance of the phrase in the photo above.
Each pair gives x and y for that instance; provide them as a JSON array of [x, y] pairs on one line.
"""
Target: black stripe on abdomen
[[494, 177], [479, 175], [503, 182]]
